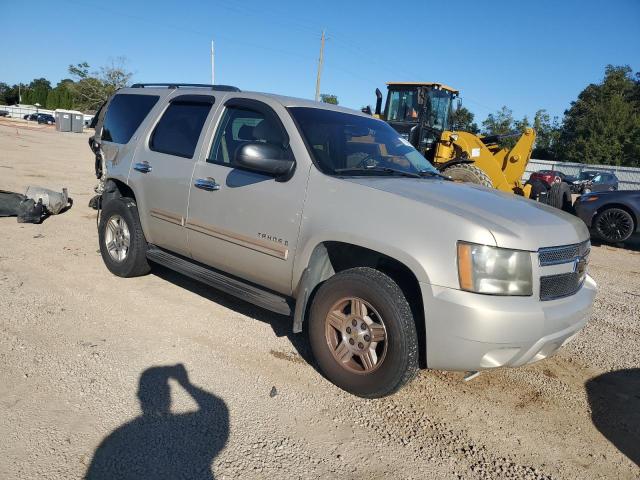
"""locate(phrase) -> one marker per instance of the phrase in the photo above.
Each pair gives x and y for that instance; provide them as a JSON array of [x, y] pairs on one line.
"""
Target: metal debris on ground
[[36, 205]]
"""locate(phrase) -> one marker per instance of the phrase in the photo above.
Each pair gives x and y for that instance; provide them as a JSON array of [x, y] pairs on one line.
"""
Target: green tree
[[603, 125], [5, 91], [547, 135], [9, 94], [39, 89], [328, 98], [60, 96], [65, 94], [502, 123], [92, 88], [462, 120], [499, 123], [53, 99]]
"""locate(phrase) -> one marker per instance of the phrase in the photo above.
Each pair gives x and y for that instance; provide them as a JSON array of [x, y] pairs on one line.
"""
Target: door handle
[[208, 184], [143, 167]]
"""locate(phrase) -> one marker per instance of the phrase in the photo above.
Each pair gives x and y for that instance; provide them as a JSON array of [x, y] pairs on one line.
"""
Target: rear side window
[[124, 116], [178, 130]]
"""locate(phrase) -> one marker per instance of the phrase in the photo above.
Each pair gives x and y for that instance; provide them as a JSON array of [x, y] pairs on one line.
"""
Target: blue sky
[[524, 55]]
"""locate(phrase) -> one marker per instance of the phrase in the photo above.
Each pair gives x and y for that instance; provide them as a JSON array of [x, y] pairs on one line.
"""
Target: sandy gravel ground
[[91, 375]]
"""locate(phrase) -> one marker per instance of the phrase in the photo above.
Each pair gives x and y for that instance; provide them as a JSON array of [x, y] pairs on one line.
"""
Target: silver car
[[328, 216]]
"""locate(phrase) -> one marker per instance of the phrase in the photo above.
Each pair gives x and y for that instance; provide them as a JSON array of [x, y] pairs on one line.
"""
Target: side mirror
[[264, 158]]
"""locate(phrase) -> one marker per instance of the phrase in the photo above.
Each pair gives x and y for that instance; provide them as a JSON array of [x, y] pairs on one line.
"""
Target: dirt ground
[[91, 376]]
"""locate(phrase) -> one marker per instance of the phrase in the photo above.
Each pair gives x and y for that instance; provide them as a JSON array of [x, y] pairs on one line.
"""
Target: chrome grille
[[562, 285], [565, 254]]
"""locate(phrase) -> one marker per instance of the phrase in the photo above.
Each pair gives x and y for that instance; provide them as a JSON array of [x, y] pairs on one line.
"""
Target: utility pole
[[320, 61], [213, 67]]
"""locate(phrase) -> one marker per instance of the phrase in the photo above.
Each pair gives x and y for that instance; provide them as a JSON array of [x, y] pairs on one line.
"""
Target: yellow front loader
[[421, 112]]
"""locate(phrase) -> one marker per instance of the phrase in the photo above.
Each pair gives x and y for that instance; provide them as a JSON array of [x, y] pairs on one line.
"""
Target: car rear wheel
[[122, 243], [362, 333], [614, 225], [467, 172]]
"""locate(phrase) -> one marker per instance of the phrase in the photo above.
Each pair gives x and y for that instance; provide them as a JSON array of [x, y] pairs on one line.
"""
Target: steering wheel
[[364, 162]]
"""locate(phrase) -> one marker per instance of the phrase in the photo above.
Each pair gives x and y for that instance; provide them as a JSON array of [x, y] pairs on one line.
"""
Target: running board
[[233, 286]]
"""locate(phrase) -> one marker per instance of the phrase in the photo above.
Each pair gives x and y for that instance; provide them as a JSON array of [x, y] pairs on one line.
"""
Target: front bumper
[[468, 331], [585, 211]]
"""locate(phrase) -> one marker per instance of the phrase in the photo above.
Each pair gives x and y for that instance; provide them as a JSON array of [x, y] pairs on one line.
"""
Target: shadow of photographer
[[162, 445], [614, 398]]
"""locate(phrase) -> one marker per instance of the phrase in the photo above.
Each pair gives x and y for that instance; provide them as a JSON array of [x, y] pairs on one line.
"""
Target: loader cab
[[420, 112]]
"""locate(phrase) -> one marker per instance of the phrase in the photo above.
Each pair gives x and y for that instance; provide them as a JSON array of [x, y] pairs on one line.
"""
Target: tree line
[[602, 126], [85, 90]]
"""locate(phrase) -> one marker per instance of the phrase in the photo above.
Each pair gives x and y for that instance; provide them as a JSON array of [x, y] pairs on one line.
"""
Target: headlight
[[495, 271]]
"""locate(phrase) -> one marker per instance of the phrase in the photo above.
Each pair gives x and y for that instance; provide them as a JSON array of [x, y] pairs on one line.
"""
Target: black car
[[46, 118], [4, 113], [594, 181], [613, 216], [31, 116]]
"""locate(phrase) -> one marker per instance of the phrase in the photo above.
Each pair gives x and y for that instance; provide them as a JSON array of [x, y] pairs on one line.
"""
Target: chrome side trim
[[166, 216], [267, 248]]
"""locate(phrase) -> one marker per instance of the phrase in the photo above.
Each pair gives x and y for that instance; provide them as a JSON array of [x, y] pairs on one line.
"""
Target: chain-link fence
[[628, 177]]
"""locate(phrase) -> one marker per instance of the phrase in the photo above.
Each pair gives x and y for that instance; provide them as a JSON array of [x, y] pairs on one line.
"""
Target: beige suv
[[330, 217]]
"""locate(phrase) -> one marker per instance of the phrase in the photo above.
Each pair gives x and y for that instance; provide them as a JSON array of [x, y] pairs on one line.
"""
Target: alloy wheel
[[117, 238], [356, 335], [615, 225]]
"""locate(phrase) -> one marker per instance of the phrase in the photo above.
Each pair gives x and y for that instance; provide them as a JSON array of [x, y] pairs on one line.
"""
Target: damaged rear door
[[163, 166]]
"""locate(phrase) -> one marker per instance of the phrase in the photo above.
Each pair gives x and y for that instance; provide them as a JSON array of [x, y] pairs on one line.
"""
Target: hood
[[515, 222]]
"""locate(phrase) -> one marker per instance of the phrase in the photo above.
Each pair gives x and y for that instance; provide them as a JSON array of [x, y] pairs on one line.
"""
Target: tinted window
[[238, 127], [124, 116], [361, 144], [179, 128], [403, 105]]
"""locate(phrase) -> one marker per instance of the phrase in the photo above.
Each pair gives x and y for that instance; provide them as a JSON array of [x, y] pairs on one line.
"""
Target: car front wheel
[[363, 334]]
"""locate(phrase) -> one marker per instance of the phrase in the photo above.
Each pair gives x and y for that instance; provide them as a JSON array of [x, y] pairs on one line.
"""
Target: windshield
[[341, 141], [403, 106], [587, 175]]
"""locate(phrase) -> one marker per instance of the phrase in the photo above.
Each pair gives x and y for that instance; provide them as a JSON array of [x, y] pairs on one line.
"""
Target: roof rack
[[221, 88]]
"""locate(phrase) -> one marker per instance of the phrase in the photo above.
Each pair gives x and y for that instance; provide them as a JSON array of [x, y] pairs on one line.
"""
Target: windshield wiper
[[389, 170], [429, 173]]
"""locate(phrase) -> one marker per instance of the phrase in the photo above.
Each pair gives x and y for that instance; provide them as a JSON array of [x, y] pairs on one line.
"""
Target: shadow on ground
[[159, 444], [632, 244], [614, 399], [281, 324]]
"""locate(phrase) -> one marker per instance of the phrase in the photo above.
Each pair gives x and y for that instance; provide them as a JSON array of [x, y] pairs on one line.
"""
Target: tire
[[118, 216], [614, 225], [467, 172], [537, 187], [559, 196], [388, 313]]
